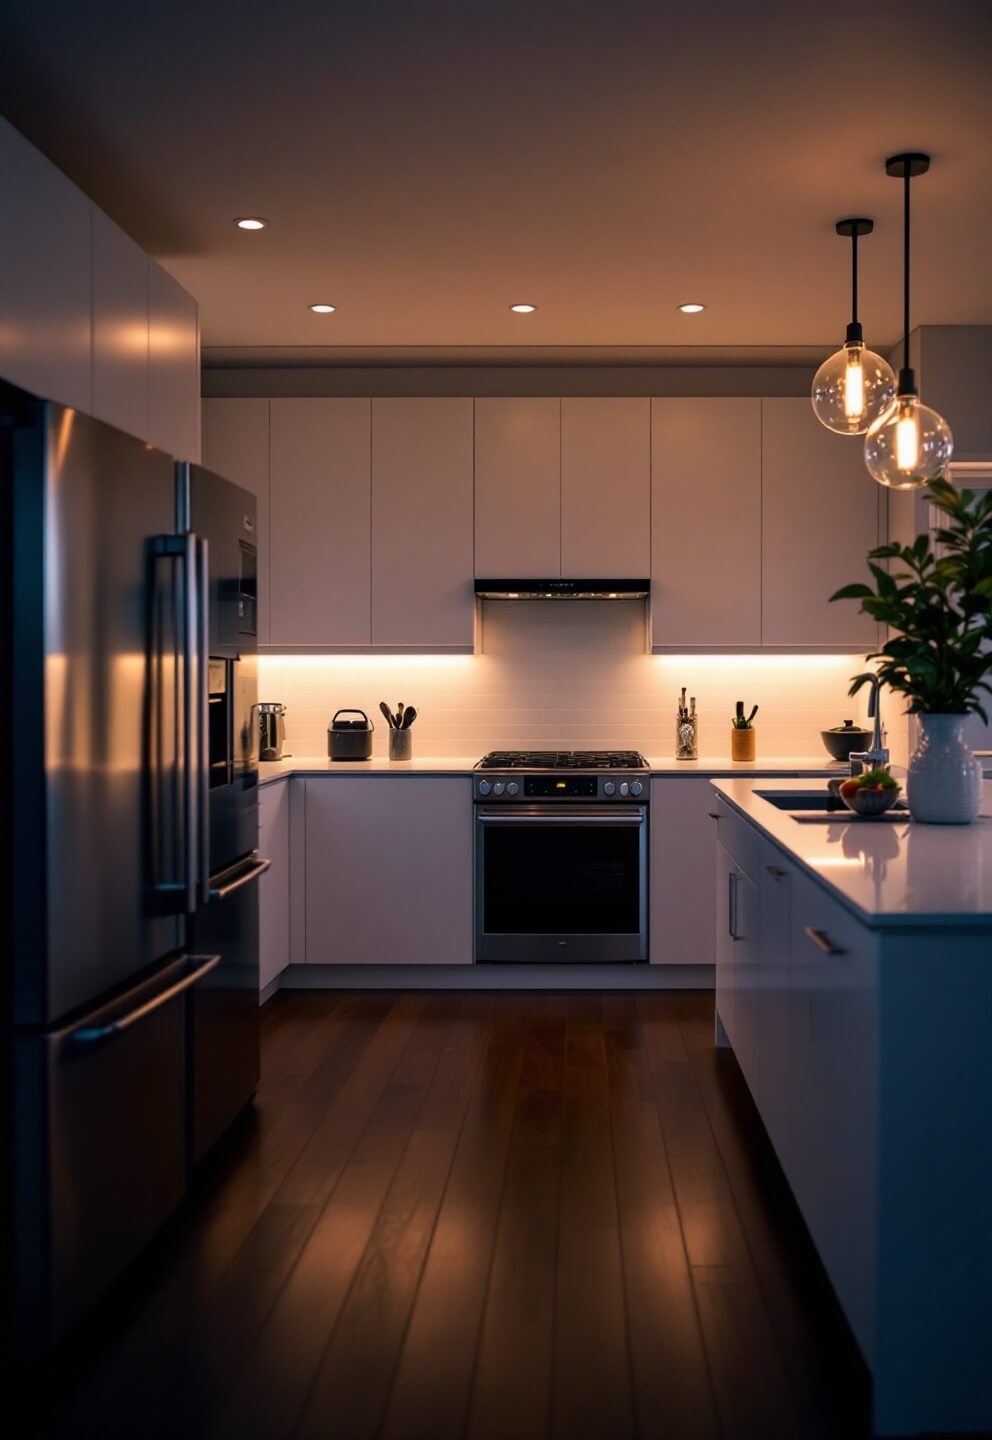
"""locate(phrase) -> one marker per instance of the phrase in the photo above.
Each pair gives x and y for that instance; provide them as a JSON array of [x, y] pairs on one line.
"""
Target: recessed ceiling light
[[250, 222], [523, 309], [323, 309], [691, 307]]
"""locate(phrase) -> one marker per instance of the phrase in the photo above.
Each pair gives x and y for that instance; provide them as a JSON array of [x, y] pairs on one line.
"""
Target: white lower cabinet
[[776, 878], [797, 993], [273, 895], [833, 1055], [388, 870], [682, 832], [726, 956]]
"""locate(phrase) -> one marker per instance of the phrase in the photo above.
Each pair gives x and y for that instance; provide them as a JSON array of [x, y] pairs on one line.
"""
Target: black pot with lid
[[845, 739], [350, 739]]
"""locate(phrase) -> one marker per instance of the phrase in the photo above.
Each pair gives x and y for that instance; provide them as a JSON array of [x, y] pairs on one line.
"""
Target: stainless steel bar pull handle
[[175, 883], [239, 878], [630, 822], [822, 941], [94, 1034], [202, 702], [732, 904]]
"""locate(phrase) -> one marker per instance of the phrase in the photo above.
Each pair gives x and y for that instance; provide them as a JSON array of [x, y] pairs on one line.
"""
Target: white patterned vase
[[944, 783]]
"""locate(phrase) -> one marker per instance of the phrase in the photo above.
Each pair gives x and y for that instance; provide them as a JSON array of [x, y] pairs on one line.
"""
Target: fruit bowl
[[869, 801]]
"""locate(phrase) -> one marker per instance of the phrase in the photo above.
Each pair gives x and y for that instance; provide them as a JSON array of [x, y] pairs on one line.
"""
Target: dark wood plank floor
[[500, 1217]]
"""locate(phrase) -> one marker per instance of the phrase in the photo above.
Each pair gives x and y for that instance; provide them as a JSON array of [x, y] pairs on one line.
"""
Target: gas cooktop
[[562, 760]]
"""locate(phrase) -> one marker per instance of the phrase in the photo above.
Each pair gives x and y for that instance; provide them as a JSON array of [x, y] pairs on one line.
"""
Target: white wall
[[569, 675]]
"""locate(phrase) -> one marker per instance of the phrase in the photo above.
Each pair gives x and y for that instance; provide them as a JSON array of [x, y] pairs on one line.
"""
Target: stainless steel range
[[561, 857]]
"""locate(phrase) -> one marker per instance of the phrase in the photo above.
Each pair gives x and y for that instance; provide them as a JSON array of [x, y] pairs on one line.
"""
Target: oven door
[[561, 884]]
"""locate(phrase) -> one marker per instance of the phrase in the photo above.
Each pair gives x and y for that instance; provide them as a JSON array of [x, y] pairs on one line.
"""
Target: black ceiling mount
[[851, 228], [905, 167], [855, 226], [909, 164]]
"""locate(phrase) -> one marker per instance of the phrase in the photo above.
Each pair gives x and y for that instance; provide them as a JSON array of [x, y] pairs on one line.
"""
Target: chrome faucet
[[877, 758]]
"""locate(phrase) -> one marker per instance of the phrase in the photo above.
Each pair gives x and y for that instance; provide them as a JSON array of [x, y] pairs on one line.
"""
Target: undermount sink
[[800, 800], [807, 808]]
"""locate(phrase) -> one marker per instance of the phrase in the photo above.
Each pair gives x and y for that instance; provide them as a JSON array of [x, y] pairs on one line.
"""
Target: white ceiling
[[423, 165]]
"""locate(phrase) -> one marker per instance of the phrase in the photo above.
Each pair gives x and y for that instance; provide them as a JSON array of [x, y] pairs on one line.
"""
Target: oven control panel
[[617, 786]]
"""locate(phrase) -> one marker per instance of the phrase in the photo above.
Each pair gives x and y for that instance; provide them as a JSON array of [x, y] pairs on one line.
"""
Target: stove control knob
[[498, 788], [484, 787], [624, 788], [636, 787], [609, 788], [512, 788]]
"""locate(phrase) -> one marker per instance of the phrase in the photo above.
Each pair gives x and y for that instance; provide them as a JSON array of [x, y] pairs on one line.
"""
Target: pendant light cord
[[905, 272], [854, 276]]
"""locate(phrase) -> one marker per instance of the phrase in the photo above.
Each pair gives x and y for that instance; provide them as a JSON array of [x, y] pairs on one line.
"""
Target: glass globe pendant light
[[855, 386], [910, 444]]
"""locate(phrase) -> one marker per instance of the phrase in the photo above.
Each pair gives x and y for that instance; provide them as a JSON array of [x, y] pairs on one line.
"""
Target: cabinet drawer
[[738, 837]]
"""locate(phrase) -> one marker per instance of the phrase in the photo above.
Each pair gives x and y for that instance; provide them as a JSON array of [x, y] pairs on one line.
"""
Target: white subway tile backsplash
[[569, 675]]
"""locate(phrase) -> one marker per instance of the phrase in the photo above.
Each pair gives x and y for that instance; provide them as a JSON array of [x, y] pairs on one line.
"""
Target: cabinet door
[[45, 332], [706, 522], [726, 881], [236, 445], [320, 490], [173, 367], [775, 882], [682, 925], [745, 930], [833, 1088], [820, 517], [389, 870], [606, 488], [422, 523], [517, 487], [120, 328], [273, 888]]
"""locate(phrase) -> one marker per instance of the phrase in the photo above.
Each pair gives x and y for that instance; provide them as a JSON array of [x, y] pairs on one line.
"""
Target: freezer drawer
[[225, 1053], [101, 1145]]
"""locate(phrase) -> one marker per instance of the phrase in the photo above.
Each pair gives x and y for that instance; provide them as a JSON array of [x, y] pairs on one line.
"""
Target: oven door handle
[[625, 822]]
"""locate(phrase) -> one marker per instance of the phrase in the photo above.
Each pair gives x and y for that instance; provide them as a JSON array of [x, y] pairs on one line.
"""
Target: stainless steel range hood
[[558, 589]]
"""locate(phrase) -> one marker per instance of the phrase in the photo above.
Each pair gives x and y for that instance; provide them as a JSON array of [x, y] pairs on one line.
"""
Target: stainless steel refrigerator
[[129, 787]]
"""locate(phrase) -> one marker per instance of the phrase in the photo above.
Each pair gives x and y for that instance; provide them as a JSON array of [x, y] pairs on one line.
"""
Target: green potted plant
[[936, 598]]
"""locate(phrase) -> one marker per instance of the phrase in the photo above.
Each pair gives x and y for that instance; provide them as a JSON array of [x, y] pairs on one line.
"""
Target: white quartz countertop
[[708, 765], [888, 872], [270, 770]]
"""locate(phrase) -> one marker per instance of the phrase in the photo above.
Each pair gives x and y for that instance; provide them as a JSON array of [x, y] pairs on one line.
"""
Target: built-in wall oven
[[561, 857]]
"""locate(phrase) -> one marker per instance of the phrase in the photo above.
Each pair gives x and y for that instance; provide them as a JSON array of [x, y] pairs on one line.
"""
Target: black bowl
[[841, 741]]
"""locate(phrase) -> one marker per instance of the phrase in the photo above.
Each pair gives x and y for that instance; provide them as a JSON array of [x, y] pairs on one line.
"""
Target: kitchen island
[[854, 984]]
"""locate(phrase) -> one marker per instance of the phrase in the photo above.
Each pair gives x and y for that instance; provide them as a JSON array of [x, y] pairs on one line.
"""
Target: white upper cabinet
[[820, 517], [86, 318], [422, 523], [45, 321], [706, 522], [120, 328], [605, 488], [173, 367], [320, 573], [236, 445], [517, 487]]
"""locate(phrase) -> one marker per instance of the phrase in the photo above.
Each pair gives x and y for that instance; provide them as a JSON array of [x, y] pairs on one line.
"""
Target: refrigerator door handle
[[239, 876], [202, 700], [83, 1034], [179, 890]]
